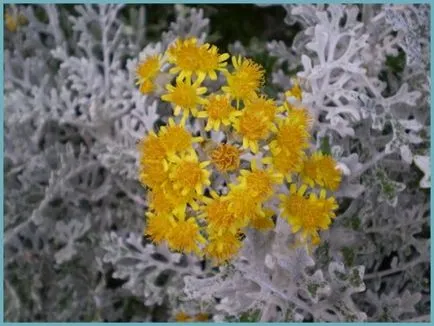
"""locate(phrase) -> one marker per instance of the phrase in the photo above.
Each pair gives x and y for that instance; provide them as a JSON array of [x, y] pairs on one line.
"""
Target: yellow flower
[[211, 61], [252, 127], [222, 247], [245, 81], [242, 205], [202, 316], [288, 146], [322, 170], [176, 138], [262, 106], [191, 58], [185, 236], [159, 202], [182, 317], [295, 91], [260, 183], [185, 96], [158, 227], [299, 116], [219, 111], [178, 201], [284, 162], [307, 213], [188, 174], [146, 72], [13, 19], [263, 223], [153, 174], [151, 149], [226, 157], [219, 218]]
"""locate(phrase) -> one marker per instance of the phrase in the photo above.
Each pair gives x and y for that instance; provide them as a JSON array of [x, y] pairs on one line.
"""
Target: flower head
[[242, 206], [185, 96], [263, 106], [151, 149], [252, 127], [307, 214], [182, 317], [226, 157], [263, 222], [259, 183], [146, 72], [188, 174], [295, 91], [219, 218], [176, 138], [289, 144], [185, 236], [245, 80], [191, 58], [218, 110], [153, 174], [158, 227], [223, 247], [322, 170]]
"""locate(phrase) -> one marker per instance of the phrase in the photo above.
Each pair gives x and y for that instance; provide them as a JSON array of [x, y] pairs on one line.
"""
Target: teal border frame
[[193, 2]]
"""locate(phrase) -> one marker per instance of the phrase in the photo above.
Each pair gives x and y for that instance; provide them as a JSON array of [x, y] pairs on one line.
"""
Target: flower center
[[218, 108], [185, 96], [253, 126], [188, 174]]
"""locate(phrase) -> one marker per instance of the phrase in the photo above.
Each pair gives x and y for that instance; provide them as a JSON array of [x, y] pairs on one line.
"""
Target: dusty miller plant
[[73, 205], [74, 208]]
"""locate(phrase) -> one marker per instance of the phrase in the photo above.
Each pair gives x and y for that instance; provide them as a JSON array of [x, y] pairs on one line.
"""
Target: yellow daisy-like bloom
[[188, 174], [288, 147], [176, 138], [218, 111], [263, 223], [226, 157], [252, 127], [185, 236], [146, 72], [222, 247], [182, 317], [284, 162], [260, 183], [211, 61], [11, 23], [179, 201], [191, 58], [185, 96], [153, 174], [159, 202], [307, 214], [202, 316], [322, 170], [299, 116], [13, 19], [219, 218], [242, 206], [263, 106], [295, 91], [151, 149], [245, 81], [158, 227]]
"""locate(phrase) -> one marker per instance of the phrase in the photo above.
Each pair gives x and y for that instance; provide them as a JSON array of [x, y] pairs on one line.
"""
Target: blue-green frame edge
[[196, 2]]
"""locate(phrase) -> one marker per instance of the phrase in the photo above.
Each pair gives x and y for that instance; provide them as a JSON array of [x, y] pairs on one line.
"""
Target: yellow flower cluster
[[184, 172], [14, 19]]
